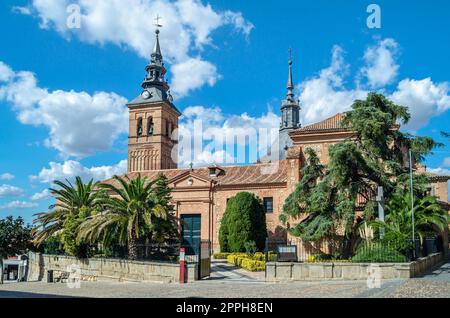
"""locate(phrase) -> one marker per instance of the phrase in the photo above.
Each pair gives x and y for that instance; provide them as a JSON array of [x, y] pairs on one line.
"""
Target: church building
[[200, 194]]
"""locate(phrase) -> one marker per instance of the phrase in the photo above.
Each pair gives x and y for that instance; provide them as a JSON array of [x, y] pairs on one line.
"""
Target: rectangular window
[[268, 205]]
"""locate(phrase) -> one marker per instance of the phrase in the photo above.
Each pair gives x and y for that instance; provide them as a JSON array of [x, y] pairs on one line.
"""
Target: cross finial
[[157, 21], [290, 55]]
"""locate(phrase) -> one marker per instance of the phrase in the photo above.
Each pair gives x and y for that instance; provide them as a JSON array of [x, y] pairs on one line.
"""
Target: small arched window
[[139, 127], [150, 126]]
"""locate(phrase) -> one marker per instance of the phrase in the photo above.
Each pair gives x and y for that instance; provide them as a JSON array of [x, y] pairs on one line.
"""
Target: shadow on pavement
[[19, 294]]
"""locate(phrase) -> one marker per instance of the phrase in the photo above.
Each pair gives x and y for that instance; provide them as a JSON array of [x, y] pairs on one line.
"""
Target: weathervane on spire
[[157, 21]]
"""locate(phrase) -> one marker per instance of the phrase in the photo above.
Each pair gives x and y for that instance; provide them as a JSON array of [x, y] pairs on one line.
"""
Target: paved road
[[226, 282], [232, 274]]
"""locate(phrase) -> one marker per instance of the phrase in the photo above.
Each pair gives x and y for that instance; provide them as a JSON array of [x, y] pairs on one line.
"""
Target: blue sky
[[63, 91]]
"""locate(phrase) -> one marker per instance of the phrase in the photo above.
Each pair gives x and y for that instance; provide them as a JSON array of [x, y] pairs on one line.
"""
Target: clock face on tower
[[146, 94]]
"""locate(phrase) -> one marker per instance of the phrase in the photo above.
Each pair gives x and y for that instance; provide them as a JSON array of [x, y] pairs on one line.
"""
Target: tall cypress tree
[[243, 224]]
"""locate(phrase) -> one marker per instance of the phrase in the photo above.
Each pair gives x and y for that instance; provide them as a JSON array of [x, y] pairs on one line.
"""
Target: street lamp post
[[412, 200]]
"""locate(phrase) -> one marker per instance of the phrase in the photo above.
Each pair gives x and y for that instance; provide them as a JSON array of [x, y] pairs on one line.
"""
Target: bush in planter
[[378, 253]]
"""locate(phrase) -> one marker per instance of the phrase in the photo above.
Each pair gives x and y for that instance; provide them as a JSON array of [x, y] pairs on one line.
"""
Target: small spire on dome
[[157, 48], [290, 84]]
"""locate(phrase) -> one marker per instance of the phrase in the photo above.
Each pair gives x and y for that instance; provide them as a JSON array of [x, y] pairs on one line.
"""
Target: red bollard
[[182, 276]]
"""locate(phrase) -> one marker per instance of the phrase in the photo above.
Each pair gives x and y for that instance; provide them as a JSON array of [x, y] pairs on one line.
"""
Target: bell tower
[[290, 115], [153, 120]]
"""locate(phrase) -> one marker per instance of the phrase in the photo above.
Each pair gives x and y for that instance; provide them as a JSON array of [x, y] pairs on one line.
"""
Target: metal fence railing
[[352, 251], [159, 251]]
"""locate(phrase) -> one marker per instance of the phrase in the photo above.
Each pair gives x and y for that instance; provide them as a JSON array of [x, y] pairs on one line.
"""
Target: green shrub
[[259, 256], [247, 261], [244, 222], [223, 232], [236, 258], [253, 265], [221, 255], [378, 253], [318, 258]]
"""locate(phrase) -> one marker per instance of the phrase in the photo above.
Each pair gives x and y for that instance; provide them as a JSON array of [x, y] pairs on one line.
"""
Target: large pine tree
[[326, 198]]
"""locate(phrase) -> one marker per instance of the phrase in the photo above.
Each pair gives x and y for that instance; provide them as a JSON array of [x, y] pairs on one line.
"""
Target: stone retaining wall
[[279, 271], [101, 268]]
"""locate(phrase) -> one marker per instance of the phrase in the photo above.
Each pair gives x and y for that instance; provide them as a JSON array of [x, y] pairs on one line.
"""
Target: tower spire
[[290, 84], [154, 82], [290, 113], [157, 48]]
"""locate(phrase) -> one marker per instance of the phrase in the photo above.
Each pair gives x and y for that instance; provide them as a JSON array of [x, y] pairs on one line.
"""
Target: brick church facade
[[200, 194]]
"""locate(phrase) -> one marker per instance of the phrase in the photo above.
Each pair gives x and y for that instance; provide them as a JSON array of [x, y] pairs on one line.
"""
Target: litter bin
[[50, 276]]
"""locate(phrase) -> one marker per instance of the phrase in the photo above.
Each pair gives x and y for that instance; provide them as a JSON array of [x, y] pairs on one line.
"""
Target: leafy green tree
[[74, 203], [129, 214], [15, 238], [223, 232], [163, 229], [373, 156], [244, 224], [52, 246]]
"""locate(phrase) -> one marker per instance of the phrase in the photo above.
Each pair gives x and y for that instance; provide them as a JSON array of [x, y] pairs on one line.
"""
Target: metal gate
[[202, 258], [197, 251], [204, 264]]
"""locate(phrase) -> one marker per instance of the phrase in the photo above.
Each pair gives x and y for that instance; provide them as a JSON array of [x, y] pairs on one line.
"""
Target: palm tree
[[429, 217], [129, 214], [72, 201]]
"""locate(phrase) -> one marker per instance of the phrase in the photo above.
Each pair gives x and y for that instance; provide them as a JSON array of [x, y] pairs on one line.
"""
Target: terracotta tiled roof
[[233, 175], [332, 123], [254, 174], [437, 177]]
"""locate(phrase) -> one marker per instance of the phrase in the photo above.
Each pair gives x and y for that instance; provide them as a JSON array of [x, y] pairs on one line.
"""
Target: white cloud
[[7, 190], [324, 95], [446, 162], [70, 169], [238, 21], [18, 205], [79, 124], [44, 194], [424, 98], [22, 10], [209, 136], [188, 26], [443, 171], [192, 74], [6, 73], [381, 68], [6, 176]]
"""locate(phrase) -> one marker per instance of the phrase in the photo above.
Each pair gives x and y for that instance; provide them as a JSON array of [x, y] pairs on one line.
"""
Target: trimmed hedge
[[221, 255], [320, 259], [253, 265], [252, 262]]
